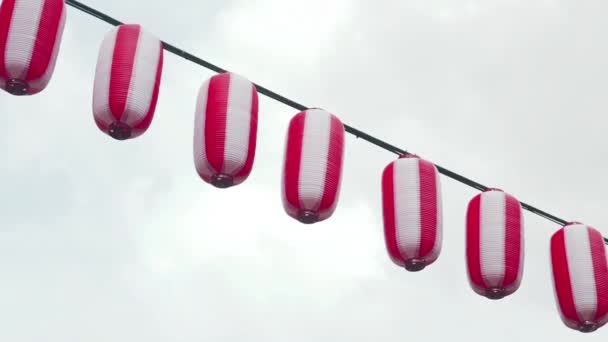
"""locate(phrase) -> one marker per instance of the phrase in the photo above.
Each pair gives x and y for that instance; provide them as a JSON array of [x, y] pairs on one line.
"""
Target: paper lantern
[[580, 276], [312, 169], [30, 37], [127, 80], [494, 244], [412, 212], [225, 130]]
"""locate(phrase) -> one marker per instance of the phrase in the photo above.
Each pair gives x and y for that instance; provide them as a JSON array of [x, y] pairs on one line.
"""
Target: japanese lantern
[[127, 78], [225, 129], [312, 169], [30, 36], [412, 212], [494, 244], [580, 276]]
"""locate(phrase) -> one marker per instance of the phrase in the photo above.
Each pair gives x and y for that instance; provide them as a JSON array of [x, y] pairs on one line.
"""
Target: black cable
[[357, 133]]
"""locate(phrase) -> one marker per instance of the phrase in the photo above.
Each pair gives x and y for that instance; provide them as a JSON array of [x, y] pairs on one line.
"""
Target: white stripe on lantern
[[22, 37], [313, 162], [238, 120], [143, 79], [492, 237], [200, 156], [407, 206], [101, 91], [39, 84], [580, 268]]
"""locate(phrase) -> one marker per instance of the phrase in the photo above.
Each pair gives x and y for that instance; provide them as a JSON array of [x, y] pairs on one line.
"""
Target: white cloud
[[297, 34]]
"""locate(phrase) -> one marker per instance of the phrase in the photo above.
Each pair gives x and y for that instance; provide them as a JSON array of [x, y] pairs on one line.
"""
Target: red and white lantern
[[225, 129], [30, 36], [494, 244], [412, 212], [127, 80], [580, 276], [313, 161]]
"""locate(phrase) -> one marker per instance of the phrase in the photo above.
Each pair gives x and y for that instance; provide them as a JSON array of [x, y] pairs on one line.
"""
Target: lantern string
[[349, 129]]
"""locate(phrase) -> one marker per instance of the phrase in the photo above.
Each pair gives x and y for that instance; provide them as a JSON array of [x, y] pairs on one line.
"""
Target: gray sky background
[[103, 240]]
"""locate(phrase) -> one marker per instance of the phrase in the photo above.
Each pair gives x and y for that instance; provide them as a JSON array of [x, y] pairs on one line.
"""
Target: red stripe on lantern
[[428, 207], [6, 16], [293, 159], [513, 247], [122, 68], [215, 125], [600, 271], [45, 38], [388, 211], [472, 244]]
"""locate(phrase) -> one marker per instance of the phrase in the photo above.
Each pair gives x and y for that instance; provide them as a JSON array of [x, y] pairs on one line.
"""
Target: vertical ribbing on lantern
[[312, 169], [494, 244], [127, 81], [30, 39], [580, 277], [225, 129], [412, 212]]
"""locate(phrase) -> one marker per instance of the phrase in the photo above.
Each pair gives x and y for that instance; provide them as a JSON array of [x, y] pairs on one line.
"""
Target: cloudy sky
[[104, 240]]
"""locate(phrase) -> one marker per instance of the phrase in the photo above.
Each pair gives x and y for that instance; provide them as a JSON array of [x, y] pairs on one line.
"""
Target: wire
[[357, 133]]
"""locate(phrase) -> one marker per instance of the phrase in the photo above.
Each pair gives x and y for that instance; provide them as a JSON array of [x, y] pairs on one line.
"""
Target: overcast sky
[[104, 240]]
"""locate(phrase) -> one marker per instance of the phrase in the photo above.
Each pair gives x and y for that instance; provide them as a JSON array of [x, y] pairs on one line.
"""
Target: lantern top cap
[[307, 110], [493, 189], [139, 26], [228, 72], [573, 223], [408, 155]]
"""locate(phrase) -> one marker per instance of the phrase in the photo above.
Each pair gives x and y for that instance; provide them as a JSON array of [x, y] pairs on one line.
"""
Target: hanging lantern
[[494, 244], [30, 36], [412, 212], [127, 80], [580, 276], [313, 165], [225, 130]]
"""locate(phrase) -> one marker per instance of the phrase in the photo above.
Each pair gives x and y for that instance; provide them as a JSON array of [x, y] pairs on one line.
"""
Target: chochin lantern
[[312, 167], [412, 212], [30, 36], [494, 244], [580, 276], [225, 130], [127, 80]]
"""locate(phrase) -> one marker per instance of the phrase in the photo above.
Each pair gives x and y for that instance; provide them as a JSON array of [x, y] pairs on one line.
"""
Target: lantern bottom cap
[[587, 326], [415, 265], [119, 131], [17, 87], [308, 216], [495, 293], [222, 181]]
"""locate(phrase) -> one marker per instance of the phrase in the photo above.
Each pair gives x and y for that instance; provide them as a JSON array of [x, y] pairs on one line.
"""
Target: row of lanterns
[[126, 89]]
